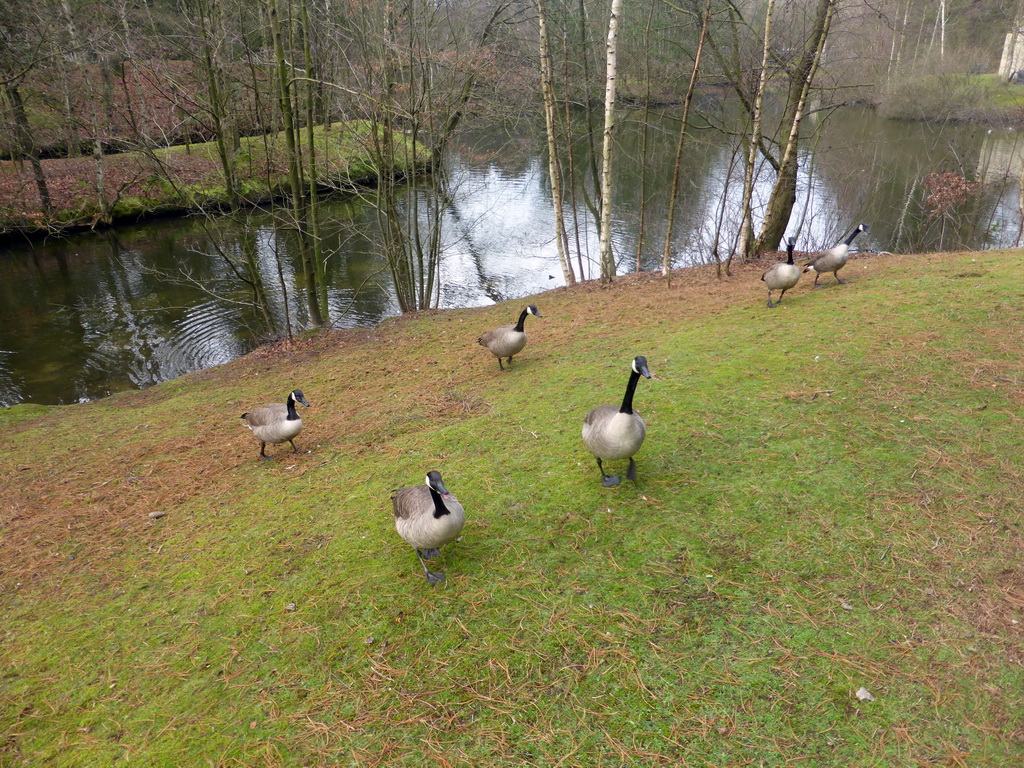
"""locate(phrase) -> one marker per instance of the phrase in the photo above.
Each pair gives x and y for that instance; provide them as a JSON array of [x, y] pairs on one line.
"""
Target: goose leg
[[780, 297], [500, 366], [770, 298], [841, 282], [608, 481], [263, 448], [432, 577], [631, 472], [816, 276], [293, 446], [510, 361]]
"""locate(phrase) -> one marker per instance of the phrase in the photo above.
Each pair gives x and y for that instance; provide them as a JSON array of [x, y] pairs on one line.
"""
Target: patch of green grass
[[828, 498], [999, 94]]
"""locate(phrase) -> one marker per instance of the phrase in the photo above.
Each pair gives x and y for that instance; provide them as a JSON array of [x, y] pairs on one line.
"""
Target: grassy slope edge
[[829, 498]]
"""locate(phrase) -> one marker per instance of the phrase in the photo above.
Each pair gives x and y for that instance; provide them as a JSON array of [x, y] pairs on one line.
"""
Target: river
[[97, 313]]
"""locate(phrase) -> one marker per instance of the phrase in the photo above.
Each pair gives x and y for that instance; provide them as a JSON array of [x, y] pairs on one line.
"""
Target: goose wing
[[600, 414], [491, 336], [410, 502], [266, 414]]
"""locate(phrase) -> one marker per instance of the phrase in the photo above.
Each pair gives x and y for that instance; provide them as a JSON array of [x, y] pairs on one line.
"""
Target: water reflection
[[99, 313]]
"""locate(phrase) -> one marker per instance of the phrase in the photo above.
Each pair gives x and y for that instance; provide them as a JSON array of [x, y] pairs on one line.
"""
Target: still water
[[98, 313]]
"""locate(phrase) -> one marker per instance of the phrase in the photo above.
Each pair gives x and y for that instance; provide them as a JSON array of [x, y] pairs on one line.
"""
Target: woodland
[[115, 110]]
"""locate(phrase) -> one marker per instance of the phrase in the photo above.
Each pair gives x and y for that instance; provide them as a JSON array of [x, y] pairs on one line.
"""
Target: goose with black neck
[[276, 423], [834, 258], [612, 433], [782, 275], [508, 340], [427, 517]]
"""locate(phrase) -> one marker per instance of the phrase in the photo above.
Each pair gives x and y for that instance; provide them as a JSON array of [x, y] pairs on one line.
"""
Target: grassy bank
[[828, 499], [178, 180], [953, 97]]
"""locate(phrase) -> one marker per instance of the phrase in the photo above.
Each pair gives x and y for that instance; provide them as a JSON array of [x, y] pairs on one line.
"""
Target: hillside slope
[[828, 499]]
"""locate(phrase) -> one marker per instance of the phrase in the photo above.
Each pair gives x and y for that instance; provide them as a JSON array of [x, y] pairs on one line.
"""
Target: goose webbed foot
[[608, 481], [430, 554], [770, 304], [432, 576], [631, 472], [294, 449], [263, 454], [841, 282]]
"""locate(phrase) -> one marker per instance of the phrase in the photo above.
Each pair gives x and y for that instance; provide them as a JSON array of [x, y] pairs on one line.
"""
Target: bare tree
[[800, 77], [666, 257], [296, 189], [554, 165], [743, 247], [22, 39], [607, 258]]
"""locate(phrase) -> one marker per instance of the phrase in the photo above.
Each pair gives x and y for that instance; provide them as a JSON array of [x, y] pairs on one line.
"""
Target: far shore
[[177, 181]]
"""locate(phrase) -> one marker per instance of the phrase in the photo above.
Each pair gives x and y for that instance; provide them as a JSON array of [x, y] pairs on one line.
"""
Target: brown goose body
[[427, 517], [834, 258], [277, 422], [782, 275], [508, 340], [612, 433]]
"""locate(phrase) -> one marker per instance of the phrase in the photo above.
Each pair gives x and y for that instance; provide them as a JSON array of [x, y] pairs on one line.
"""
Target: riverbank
[[178, 180], [953, 98], [827, 504]]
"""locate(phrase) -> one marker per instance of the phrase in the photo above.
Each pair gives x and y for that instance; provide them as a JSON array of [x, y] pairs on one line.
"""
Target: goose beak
[[645, 371]]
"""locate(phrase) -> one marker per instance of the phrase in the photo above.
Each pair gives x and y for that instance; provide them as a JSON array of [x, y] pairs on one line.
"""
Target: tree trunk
[[666, 256], [743, 247], [594, 206], [643, 139], [28, 146], [294, 179], [607, 257], [312, 219], [220, 109], [554, 168], [783, 196], [72, 139]]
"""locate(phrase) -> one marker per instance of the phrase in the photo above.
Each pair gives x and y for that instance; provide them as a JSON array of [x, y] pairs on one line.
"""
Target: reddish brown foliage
[[73, 187], [152, 103], [947, 191]]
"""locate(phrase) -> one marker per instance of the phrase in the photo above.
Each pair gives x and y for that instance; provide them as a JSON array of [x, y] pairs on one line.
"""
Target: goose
[[612, 433], [834, 258], [427, 517], [782, 275], [276, 423], [508, 340]]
